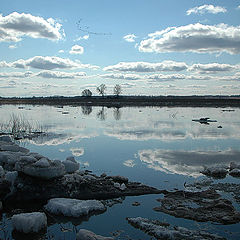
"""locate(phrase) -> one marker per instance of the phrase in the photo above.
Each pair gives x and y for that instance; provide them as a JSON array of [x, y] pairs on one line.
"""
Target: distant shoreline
[[125, 101]]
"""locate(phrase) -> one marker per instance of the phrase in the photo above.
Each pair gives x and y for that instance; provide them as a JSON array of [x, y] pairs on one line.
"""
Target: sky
[[148, 47]]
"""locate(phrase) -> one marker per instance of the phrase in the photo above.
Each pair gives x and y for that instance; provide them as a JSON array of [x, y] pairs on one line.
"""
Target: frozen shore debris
[[29, 222], [162, 230], [73, 207], [200, 206], [84, 234], [26, 172]]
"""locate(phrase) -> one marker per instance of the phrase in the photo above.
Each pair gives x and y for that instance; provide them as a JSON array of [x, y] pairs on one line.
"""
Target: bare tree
[[86, 93], [117, 90], [101, 89]]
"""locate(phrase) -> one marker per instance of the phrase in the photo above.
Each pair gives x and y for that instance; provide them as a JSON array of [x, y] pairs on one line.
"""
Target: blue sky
[[149, 47]]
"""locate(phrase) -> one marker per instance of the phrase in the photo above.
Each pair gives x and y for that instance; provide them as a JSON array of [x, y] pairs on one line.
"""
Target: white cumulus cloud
[[163, 77], [130, 37], [60, 75], [133, 77], [213, 68], [85, 37], [47, 63], [76, 49], [197, 38], [147, 67], [15, 74], [206, 9], [138, 77], [12, 46], [3, 64], [235, 77], [186, 162], [15, 26]]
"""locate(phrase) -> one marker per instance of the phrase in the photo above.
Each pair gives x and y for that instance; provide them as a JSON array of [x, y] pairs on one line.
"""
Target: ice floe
[[162, 230], [29, 222], [73, 207], [84, 234], [43, 168], [202, 206]]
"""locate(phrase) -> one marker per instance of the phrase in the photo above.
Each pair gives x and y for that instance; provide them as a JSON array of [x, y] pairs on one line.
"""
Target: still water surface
[[161, 147]]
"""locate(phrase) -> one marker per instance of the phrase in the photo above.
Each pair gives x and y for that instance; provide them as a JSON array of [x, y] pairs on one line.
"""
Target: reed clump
[[19, 127]]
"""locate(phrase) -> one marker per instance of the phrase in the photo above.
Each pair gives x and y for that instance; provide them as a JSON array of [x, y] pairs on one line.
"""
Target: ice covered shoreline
[[58, 187], [27, 176]]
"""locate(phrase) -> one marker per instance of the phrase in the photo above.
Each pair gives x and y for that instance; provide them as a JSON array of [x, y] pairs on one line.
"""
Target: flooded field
[[159, 147]]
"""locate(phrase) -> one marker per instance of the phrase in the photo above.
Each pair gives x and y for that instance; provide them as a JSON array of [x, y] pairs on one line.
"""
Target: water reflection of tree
[[117, 113], [102, 114], [86, 110]]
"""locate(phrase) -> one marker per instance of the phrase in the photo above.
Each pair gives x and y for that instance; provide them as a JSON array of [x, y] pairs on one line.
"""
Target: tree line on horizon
[[117, 90]]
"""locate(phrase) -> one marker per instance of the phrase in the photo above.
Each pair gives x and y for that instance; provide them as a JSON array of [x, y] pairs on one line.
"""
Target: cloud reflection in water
[[188, 163]]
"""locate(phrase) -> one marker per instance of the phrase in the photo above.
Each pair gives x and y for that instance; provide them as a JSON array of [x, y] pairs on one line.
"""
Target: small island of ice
[[29, 222], [73, 207], [84, 234]]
